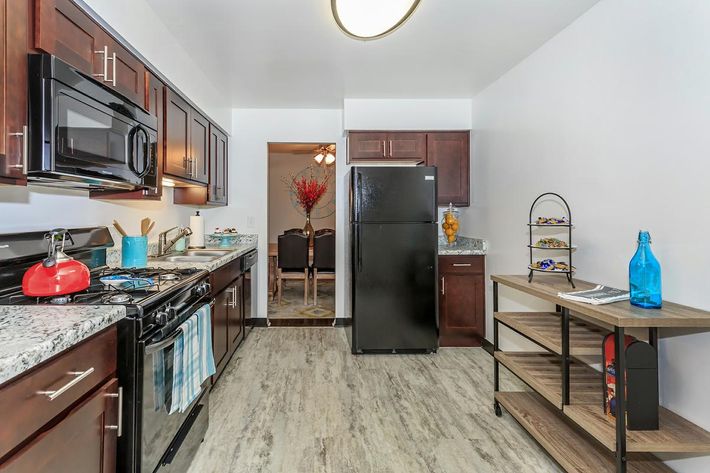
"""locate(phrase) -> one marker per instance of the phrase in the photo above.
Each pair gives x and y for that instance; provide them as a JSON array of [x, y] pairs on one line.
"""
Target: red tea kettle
[[57, 274]]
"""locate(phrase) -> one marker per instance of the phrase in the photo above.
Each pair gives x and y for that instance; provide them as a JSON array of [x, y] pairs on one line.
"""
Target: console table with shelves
[[564, 411]]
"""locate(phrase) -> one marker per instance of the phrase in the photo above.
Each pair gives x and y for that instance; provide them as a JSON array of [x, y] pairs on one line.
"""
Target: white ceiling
[[290, 53]]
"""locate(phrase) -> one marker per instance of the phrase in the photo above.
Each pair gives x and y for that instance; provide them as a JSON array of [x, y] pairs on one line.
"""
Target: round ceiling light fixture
[[371, 19]]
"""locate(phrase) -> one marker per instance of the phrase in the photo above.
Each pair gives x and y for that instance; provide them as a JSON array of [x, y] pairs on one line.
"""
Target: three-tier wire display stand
[[532, 225]]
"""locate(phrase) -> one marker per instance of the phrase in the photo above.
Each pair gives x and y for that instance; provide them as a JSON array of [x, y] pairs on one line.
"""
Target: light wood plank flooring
[[294, 400]]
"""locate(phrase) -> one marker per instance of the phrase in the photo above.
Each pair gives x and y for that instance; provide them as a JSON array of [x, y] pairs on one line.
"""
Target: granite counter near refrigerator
[[463, 246]]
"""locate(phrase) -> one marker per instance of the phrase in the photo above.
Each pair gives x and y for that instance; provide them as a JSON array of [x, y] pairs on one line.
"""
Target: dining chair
[[293, 230], [323, 259], [292, 261]]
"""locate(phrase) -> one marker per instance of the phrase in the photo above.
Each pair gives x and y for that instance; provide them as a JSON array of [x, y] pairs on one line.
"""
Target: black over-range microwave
[[85, 135]]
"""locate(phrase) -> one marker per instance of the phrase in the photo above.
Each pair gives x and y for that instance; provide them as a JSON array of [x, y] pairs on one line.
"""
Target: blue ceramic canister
[[134, 251]]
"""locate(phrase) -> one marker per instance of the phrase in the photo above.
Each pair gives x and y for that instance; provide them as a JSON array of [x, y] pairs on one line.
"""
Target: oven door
[[157, 429], [95, 141]]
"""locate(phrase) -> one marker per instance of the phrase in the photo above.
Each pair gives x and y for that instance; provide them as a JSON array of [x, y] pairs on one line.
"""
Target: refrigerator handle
[[359, 249], [358, 199]]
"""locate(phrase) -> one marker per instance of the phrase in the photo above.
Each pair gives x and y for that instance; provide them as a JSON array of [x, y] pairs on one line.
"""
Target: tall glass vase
[[645, 275], [308, 228]]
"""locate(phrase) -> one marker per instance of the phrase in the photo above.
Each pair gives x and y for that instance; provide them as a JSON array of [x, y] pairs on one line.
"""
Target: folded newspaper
[[597, 296]]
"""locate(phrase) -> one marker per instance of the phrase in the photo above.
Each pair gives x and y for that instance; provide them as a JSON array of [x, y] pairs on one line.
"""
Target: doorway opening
[[301, 231]]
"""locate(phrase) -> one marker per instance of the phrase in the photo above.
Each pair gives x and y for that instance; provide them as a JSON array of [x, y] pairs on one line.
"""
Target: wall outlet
[[251, 223]]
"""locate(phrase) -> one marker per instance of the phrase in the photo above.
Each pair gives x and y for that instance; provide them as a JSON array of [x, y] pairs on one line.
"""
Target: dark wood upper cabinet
[[14, 26], [126, 72], [199, 147], [364, 145], [62, 28], [3, 34], [155, 105], [83, 442], [384, 146], [177, 135], [186, 140], [217, 189], [462, 308], [405, 145], [450, 153]]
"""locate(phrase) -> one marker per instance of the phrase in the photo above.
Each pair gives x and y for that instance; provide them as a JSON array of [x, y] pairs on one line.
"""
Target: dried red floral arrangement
[[309, 191]]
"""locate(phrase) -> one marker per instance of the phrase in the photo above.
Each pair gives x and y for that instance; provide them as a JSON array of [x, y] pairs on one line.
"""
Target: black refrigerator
[[393, 260]]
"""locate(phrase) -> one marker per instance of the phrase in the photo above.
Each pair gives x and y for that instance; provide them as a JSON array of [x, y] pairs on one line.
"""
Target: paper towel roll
[[197, 225]]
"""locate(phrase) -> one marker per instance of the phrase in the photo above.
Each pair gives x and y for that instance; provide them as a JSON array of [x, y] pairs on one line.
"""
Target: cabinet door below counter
[[462, 307], [83, 442]]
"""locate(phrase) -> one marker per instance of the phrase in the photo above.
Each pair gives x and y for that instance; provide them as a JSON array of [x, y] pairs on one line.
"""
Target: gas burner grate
[[168, 277]]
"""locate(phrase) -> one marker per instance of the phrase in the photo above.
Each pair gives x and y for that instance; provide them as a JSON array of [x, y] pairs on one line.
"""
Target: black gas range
[[157, 302]]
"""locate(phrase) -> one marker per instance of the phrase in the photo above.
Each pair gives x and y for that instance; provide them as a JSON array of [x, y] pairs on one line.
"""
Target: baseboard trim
[[305, 322], [487, 346]]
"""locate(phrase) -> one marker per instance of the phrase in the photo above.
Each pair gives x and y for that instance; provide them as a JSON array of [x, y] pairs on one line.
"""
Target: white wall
[[41, 208], [613, 113], [142, 27], [282, 213], [252, 131], [407, 114]]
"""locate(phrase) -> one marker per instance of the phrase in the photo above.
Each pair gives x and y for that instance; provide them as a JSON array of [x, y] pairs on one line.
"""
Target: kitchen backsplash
[[113, 255]]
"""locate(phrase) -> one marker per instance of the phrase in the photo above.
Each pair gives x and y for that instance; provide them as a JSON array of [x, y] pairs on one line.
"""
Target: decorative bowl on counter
[[222, 240]]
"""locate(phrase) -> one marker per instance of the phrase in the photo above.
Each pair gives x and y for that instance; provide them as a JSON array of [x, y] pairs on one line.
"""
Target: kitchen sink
[[193, 256], [186, 258], [207, 252]]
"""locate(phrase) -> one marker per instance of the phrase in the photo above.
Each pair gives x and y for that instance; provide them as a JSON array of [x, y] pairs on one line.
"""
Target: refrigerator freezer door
[[394, 194], [394, 287]]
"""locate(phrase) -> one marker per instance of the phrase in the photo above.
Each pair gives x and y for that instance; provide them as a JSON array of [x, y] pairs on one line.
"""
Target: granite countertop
[[235, 252], [30, 335], [463, 246]]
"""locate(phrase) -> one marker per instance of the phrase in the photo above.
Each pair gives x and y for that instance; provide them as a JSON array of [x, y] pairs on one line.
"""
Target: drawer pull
[[462, 265], [443, 285], [119, 422], [80, 375]]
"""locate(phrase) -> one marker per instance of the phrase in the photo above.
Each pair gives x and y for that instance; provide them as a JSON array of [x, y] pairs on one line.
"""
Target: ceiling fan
[[325, 154]]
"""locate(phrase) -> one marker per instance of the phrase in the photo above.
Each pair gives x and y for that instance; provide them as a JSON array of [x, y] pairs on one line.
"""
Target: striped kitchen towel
[[193, 359]]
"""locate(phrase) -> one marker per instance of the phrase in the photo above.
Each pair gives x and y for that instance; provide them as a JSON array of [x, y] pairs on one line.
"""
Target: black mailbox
[[642, 386]]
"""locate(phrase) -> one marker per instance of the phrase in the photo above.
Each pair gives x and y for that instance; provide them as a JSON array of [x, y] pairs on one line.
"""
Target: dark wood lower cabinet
[[235, 329], [227, 314], [220, 337], [462, 307], [82, 442]]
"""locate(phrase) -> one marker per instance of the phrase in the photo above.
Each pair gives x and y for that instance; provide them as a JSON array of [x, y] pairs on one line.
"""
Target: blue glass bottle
[[645, 275]]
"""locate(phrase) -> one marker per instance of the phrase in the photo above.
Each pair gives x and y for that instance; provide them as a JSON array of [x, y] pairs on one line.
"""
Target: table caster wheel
[[498, 410]]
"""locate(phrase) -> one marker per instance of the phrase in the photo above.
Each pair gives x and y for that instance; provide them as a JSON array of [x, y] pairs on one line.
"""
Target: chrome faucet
[[164, 245]]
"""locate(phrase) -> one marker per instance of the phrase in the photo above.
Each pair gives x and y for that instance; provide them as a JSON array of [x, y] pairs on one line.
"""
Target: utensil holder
[[134, 251]]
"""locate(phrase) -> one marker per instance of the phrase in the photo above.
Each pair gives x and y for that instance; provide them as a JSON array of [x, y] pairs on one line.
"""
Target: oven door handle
[[169, 338], [157, 346]]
